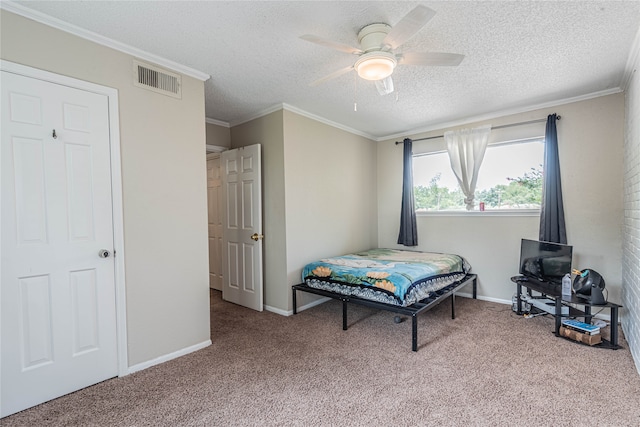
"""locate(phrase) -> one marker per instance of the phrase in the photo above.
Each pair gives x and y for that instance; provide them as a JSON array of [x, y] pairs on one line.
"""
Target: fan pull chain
[[355, 92]]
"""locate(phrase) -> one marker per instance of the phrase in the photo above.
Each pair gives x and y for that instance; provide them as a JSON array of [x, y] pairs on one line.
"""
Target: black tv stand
[[554, 291]]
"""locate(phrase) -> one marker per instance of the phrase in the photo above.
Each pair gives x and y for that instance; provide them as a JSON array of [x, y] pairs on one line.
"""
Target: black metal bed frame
[[413, 310]]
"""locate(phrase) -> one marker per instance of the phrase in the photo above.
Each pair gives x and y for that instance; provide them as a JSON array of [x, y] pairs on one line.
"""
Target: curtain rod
[[496, 127]]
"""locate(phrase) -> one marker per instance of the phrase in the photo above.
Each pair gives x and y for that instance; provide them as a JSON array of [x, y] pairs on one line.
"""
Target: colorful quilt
[[386, 275]]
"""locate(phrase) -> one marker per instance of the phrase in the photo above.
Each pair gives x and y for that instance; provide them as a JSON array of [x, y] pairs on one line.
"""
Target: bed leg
[[414, 332], [295, 305], [475, 287], [344, 314], [453, 305]]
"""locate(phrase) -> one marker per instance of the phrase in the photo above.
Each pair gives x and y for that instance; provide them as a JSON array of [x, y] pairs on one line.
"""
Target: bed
[[404, 282]]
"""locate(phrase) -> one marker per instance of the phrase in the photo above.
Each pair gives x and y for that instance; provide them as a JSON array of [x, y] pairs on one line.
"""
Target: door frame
[[213, 155], [116, 190]]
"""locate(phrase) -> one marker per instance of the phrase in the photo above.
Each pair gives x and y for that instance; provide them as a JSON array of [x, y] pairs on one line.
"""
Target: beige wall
[[218, 135], [330, 181], [268, 131], [590, 138], [164, 186], [319, 196]]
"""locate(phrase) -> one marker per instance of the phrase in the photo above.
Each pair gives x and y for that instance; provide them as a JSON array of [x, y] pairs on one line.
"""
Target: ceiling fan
[[376, 57]]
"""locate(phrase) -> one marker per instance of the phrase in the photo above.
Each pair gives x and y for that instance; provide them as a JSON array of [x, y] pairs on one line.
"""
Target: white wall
[[164, 186], [590, 148], [631, 242]]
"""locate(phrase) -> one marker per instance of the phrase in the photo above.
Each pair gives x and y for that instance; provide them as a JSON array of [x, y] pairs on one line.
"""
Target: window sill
[[492, 212]]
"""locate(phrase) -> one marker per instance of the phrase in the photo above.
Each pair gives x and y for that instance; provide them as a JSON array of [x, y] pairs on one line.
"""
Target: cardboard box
[[580, 337]]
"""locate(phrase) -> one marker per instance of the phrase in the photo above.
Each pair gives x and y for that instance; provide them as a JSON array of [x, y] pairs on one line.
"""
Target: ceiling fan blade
[[385, 86], [408, 26], [331, 44], [332, 75], [430, 58]]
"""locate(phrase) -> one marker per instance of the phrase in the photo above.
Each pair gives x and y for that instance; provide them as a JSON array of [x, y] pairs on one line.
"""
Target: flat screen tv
[[545, 261]]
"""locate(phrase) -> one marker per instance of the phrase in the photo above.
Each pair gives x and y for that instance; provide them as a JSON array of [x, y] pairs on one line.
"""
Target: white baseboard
[[304, 307], [312, 304], [483, 298], [276, 310], [325, 299], [605, 317], [167, 357]]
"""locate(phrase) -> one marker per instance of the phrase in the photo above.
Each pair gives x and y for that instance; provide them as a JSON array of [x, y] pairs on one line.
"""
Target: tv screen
[[545, 261]]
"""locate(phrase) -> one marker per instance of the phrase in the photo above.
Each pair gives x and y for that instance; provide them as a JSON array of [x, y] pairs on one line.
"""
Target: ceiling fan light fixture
[[375, 65]]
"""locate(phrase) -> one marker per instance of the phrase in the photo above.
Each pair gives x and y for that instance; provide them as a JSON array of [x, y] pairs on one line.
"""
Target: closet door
[[57, 291]]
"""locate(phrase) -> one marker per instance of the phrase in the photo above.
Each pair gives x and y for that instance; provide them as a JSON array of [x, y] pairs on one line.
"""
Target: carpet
[[488, 367]]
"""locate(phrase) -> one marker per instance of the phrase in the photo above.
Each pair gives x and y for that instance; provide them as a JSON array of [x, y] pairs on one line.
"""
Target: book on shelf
[[582, 331], [582, 327]]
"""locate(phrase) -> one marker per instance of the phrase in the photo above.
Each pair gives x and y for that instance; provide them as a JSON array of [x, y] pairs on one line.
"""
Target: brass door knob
[[256, 236]]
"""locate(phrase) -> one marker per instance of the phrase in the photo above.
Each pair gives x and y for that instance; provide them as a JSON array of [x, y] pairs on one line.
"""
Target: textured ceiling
[[518, 54]]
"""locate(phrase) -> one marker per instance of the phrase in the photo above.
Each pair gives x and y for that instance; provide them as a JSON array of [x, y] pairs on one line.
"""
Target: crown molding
[[257, 115], [439, 126], [632, 62], [215, 148], [101, 40], [502, 113], [304, 113], [217, 122], [308, 115]]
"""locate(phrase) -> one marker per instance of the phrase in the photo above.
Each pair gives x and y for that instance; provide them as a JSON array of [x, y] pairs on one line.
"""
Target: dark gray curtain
[[408, 231], [552, 228]]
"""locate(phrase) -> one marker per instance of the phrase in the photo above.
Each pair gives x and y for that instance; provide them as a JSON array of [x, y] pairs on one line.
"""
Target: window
[[510, 178]]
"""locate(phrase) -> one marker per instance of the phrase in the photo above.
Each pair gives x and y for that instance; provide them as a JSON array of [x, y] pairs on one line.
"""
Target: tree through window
[[510, 178]]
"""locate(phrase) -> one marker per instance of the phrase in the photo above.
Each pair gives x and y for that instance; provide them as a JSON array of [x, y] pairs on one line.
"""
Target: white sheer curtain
[[466, 149]]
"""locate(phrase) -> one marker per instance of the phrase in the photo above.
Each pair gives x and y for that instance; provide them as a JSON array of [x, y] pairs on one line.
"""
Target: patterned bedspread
[[386, 275]]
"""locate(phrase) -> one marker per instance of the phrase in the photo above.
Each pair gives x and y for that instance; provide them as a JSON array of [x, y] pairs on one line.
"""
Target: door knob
[[256, 236], [103, 253]]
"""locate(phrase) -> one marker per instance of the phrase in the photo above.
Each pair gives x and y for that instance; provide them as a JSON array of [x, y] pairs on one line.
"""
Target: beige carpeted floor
[[488, 367]]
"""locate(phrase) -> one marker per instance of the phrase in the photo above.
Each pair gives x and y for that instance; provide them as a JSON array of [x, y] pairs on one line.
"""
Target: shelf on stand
[[553, 291]]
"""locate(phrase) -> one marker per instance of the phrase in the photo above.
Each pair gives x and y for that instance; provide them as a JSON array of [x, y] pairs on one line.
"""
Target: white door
[[58, 320], [214, 199], [242, 231]]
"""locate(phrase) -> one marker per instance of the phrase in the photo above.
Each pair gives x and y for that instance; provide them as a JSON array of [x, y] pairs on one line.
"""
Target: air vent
[[156, 79]]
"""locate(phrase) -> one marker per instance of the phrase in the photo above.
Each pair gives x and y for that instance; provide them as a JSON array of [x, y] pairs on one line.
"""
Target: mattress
[[390, 276]]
